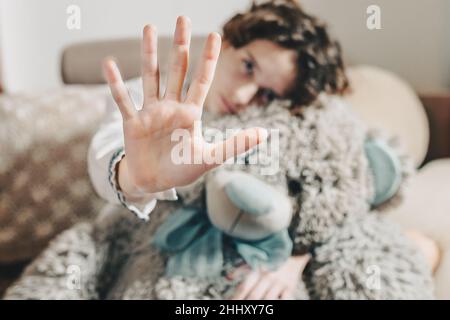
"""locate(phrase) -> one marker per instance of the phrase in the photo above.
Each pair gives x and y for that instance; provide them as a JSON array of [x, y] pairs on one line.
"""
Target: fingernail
[[181, 19], [109, 59], [150, 27]]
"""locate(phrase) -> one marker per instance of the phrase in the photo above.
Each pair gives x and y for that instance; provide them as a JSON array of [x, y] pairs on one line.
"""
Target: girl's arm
[[147, 142], [104, 157]]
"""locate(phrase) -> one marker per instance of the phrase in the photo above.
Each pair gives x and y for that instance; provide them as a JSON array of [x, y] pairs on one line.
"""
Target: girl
[[273, 51]]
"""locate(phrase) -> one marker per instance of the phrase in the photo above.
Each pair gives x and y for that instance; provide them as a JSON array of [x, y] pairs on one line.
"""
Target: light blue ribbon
[[195, 246]]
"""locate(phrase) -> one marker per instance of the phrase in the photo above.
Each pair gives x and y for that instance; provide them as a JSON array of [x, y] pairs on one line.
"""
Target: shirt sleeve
[[105, 152]]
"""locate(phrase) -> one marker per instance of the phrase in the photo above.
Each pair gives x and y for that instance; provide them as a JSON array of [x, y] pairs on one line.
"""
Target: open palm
[[148, 165]]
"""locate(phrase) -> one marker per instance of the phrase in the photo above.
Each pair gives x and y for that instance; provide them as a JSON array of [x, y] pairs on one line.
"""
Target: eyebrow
[[252, 57]]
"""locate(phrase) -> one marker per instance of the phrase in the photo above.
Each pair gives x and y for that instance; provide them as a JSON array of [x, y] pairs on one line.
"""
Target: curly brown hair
[[320, 66]]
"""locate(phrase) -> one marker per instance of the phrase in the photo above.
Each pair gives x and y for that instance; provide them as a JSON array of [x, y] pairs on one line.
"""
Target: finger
[[239, 143], [246, 286], [205, 71], [239, 271], [150, 70], [179, 58], [274, 292], [118, 89], [260, 289]]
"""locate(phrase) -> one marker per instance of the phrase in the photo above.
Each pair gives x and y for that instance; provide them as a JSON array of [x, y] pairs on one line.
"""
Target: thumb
[[238, 144]]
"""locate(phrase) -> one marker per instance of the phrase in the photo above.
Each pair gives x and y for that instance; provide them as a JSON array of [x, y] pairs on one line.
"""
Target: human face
[[256, 73]]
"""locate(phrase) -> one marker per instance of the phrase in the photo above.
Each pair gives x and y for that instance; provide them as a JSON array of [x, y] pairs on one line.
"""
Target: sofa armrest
[[426, 208], [437, 107], [81, 62]]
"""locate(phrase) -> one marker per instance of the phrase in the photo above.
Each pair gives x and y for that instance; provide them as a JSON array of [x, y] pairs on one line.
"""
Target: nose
[[243, 94]]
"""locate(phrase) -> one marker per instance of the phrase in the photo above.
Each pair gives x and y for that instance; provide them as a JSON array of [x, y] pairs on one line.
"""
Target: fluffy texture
[[44, 140], [356, 253]]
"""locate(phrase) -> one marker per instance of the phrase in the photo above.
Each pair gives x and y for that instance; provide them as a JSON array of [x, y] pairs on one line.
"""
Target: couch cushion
[[81, 62], [385, 101], [427, 208]]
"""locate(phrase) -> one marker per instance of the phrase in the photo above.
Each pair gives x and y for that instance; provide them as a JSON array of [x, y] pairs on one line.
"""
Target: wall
[[35, 31], [414, 41], [1, 72]]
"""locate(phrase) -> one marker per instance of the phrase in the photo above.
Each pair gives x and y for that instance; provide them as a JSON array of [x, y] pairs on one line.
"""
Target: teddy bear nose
[[250, 195]]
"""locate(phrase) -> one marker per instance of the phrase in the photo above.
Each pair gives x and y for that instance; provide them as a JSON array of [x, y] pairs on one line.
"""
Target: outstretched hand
[[148, 166]]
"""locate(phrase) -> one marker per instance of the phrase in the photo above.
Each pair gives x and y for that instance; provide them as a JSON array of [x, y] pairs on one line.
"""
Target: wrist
[[128, 188]]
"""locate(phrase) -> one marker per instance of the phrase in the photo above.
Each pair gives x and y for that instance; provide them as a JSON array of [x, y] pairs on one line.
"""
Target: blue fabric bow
[[195, 245]]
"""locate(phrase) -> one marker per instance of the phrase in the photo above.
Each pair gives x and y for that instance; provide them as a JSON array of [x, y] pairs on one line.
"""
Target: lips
[[227, 106]]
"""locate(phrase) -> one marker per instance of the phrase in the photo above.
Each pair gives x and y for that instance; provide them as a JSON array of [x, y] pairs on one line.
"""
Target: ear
[[386, 170]]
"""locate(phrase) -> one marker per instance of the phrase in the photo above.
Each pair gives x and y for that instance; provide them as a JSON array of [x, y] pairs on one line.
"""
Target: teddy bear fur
[[357, 253]]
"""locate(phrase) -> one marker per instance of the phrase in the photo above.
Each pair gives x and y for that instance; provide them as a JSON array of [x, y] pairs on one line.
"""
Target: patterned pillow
[[44, 184]]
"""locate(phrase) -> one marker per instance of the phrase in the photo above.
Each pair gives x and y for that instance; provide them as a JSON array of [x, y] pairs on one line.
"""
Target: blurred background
[[414, 41]]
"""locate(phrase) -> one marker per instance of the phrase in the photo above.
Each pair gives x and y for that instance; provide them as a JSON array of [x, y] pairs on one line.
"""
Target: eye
[[248, 67]]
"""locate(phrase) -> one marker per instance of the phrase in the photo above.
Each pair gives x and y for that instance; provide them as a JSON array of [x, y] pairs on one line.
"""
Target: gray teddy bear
[[326, 199]]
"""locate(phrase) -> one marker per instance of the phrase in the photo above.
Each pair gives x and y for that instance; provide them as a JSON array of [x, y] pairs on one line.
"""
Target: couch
[[44, 140]]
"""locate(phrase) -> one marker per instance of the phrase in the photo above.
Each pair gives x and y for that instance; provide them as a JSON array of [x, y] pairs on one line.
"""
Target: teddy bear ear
[[386, 170]]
